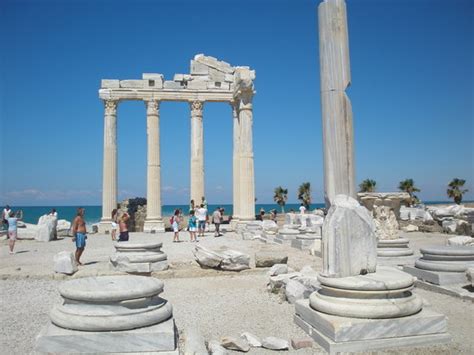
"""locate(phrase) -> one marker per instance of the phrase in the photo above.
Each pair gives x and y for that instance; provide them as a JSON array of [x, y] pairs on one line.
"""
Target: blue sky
[[412, 94]]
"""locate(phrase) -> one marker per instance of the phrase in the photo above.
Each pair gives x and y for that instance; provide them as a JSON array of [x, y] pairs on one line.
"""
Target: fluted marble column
[[246, 171], [338, 137], [109, 175], [153, 221], [197, 152], [236, 162]]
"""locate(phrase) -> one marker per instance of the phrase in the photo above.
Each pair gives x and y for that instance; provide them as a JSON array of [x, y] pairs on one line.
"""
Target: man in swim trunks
[[79, 232]]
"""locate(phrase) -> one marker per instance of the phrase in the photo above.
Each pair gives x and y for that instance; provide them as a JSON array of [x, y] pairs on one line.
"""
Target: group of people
[[197, 219]]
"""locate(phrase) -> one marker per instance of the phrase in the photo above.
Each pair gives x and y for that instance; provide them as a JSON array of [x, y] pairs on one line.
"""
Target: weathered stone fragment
[[275, 343], [349, 240], [64, 263], [238, 344], [267, 259]]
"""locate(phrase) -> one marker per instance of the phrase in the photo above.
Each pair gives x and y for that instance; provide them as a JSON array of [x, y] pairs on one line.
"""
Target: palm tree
[[367, 185], [408, 185], [304, 194], [280, 197], [454, 190]]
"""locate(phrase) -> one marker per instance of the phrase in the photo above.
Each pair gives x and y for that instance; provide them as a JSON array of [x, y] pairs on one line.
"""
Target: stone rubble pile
[[229, 260], [291, 285], [452, 219]]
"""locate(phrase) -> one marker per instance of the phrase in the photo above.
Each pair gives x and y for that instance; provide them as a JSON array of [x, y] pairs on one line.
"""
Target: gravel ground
[[216, 303]]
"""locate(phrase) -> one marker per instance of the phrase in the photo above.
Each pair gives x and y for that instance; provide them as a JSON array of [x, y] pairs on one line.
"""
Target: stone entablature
[[210, 80]]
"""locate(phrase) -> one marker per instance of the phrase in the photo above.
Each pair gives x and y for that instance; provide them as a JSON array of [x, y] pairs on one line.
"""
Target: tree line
[[455, 191]]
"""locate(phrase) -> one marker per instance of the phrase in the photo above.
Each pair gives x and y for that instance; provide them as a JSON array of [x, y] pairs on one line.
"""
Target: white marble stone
[[274, 343], [65, 263], [46, 230], [278, 269], [110, 84], [349, 240], [341, 334], [238, 344], [194, 342], [231, 260], [461, 240], [295, 290], [251, 339], [135, 84], [159, 338], [215, 348]]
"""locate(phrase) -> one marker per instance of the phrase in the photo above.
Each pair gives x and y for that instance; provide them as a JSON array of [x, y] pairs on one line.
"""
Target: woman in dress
[[175, 225]]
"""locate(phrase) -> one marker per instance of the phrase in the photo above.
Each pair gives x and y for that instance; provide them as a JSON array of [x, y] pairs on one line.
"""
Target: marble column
[[236, 162], [246, 170], [338, 137], [197, 152], [109, 177], [153, 221]]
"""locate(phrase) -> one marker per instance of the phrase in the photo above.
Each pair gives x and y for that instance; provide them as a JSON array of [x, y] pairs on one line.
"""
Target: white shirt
[[201, 214], [302, 209], [6, 213]]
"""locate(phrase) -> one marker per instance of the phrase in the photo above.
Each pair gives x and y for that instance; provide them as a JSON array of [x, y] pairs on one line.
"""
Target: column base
[[105, 226], [155, 225]]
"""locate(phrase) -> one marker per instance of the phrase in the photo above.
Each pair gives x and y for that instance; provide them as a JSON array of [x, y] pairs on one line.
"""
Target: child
[[192, 221], [175, 225]]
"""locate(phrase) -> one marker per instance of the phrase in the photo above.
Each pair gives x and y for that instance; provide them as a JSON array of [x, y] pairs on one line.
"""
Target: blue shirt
[[12, 223], [192, 222]]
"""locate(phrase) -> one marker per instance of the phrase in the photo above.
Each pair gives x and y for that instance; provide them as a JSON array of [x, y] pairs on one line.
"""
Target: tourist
[[123, 227], [302, 209], [79, 233], [53, 213], [114, 223], [175, 225], [5, 215], [216, 219], [201, 215], [12, 231], [192, 222], [273, 215], [191, 206], [204, 202], [260, 216]]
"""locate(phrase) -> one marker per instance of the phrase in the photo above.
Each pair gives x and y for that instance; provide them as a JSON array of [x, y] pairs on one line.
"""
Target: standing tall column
[[338, 137], [197, 152], [246, 178], [236, 163], [109, 177], [153, 221]]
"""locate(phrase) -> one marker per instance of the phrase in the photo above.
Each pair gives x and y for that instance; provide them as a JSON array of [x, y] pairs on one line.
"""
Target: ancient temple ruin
[[210, 80]]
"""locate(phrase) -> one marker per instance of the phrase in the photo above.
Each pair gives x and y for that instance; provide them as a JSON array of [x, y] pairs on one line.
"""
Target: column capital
[[196, 107], [152, 106], [245, 100], [110, 107]]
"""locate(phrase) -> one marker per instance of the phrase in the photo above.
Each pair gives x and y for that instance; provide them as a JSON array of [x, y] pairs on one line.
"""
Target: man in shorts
[[79, 233], [201, 215]]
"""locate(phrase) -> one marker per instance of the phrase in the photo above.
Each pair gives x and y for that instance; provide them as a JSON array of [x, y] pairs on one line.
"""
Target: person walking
[[175, 225], [192, 221], [123, 227], [216, 219], [302, 216], [12, 231], [202, 217], [5, 215], [192, 206], [79, 233], [114, 223]]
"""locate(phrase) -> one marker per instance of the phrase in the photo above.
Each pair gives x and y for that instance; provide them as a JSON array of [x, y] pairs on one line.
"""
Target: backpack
[[171, 220]]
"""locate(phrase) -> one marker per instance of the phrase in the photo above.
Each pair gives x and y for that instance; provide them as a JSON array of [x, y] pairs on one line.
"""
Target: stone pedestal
[[305, 241], [138, 257], [443, 265], [110, 314], [285, 236], [393, 200], [369, 312], [394, 252]]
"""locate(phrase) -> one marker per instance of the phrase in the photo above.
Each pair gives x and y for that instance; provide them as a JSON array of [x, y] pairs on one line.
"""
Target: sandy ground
[[217, 303]]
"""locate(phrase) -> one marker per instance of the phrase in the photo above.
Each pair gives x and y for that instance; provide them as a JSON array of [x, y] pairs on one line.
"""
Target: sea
[[31, 214]]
